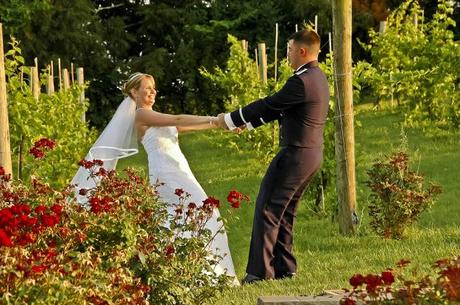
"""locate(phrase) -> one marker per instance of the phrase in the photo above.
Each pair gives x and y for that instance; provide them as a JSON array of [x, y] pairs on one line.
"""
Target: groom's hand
[[240, 129]]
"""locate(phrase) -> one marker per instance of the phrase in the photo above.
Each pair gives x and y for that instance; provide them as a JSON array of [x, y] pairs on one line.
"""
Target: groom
[[301, 108]]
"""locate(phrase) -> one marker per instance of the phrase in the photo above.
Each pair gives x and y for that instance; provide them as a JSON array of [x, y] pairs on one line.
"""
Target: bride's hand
[[220, 121]]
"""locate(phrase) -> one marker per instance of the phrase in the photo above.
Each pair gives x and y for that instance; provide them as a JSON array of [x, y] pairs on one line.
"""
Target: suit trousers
[[287, 177]]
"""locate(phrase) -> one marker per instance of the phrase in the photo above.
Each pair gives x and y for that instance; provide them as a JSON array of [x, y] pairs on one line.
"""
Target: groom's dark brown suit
[[301, 107]]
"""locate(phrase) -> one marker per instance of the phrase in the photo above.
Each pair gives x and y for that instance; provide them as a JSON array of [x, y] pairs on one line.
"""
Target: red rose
[[49, 221], [102, 172], [235, 205], [356, 280], [98, 162], [5, 239], [82, 192], [23, 219], [40, 209], [191, 205], [5, 216], [18, 209], [26, 238], [372, 282], [94, 200], [96, 208], [25, 209], [235, 197], [41, 143], [57, 209], [388, 277], [14, 223], [2, 170], [211, 202], [31, 221], [9, 197], [179, 192], [37, 153], [86, 164], [39, 268]]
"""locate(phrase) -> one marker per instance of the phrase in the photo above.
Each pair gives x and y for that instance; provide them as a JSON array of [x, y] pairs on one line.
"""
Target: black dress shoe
[[249, 279], [283, 276]]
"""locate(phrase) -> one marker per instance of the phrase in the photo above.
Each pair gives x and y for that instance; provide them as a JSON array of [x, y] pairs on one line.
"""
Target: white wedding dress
[[168, 165]]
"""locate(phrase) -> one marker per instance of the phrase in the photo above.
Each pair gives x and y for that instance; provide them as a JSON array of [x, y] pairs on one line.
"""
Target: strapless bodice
[[164, 155], [160, 138]]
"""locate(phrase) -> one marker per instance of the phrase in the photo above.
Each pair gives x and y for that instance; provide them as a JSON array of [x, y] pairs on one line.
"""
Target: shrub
[[402, 65], [122, 248], [56, 116], [393, 286], [398, 196]]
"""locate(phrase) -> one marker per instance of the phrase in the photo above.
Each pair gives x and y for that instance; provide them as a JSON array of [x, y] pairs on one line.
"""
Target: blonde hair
[[134, 82]]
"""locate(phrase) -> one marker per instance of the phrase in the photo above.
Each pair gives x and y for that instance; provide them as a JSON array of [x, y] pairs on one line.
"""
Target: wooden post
[[276, 52], [35, 82], [66, 83], [344, 134], [287, 51], [330, 43], [257, 63], [316, 23], [50, 84], [296, 27], [60, 74], [262, 62], [35, 79], [81, 82], [382, 27], [244, 43], [5, 149], [71, 74]]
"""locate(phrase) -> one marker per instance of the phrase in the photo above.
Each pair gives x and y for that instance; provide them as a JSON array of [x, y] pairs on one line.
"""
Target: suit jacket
[[301, 107]]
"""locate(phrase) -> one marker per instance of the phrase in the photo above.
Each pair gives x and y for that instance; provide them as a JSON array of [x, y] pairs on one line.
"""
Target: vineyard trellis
[[28, 114]]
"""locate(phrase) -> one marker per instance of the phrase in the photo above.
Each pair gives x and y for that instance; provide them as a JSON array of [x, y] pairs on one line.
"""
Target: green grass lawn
[[326, 259]]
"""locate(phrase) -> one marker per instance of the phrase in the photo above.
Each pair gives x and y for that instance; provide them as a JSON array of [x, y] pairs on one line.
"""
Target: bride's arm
[[196, 127], [187, 122]]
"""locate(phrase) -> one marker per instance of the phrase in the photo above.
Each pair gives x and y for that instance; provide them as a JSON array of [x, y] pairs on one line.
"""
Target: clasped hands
[[219, 121]]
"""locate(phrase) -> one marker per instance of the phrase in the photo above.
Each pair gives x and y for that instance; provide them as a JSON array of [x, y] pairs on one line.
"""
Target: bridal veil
[[117, 140]]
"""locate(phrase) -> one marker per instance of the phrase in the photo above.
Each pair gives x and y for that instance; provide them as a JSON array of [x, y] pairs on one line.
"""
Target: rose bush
[[393, 286], [122, 247], [399, 195]]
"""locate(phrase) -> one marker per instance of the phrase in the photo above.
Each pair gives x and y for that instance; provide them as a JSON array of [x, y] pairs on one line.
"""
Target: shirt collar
[[310, 64]]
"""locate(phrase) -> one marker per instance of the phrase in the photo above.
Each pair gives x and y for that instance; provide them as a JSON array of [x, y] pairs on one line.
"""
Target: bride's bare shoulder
[[150, 117]]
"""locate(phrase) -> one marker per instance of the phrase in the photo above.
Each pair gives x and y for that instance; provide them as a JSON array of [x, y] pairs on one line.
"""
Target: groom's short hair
[[309, 37]]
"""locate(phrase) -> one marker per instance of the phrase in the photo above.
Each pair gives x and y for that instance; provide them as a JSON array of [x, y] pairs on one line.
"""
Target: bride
[[168, 167]]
